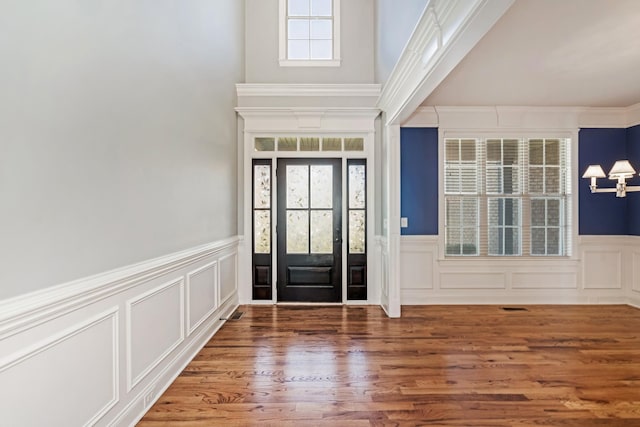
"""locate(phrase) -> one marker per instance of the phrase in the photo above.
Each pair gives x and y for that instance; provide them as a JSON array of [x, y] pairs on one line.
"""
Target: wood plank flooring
[[436, 366]]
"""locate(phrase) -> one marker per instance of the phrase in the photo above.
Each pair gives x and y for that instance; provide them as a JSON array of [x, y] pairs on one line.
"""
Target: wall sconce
[[621, 170]]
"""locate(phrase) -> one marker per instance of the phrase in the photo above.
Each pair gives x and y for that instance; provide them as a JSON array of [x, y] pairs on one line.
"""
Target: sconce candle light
[[621, 171]]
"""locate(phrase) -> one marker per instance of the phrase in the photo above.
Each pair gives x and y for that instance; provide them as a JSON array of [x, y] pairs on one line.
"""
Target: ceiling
[[583, 53]]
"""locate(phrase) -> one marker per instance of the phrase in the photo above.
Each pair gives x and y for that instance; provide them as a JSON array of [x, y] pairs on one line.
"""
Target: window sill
[[310, 62]]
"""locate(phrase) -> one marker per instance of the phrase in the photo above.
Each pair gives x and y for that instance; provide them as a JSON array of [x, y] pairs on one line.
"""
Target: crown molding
[[524, 117], [308, 119], [633, 115], [301, 90], [282, 111]]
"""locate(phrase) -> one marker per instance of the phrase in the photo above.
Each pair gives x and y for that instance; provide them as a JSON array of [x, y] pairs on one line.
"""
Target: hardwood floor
[[436, 366]]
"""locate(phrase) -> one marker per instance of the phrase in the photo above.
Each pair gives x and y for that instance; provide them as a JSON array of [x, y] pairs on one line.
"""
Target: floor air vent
[[514, 309], [235, 316]]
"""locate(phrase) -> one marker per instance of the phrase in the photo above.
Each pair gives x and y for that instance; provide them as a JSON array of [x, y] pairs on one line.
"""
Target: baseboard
[[138, 406], [634, 301]]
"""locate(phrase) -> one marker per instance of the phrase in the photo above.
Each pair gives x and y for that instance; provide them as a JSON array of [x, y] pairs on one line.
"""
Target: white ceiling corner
[[551, 53]]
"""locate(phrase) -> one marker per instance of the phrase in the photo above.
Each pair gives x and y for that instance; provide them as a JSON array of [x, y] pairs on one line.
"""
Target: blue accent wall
[[633, 202], [601, 214], [419, 180]]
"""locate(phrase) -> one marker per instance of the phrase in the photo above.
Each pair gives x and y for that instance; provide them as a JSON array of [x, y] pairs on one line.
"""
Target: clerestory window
[[309, 32]]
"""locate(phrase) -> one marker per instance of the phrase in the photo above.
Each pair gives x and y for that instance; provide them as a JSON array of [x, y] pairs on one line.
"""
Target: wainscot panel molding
[[202, 294], [635, 272], [81, 363], [160, 309], [605, 271], [228, 277], [112, 343], [417, 261]]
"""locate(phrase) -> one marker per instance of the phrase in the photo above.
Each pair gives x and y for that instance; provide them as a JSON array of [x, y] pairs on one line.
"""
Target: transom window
[[309, 32], [507, 197]]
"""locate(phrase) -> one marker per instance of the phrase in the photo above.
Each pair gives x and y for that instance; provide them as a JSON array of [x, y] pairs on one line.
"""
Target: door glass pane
[[356, 232], [297, 186], [262, 186], [262, 232], [321, 232], [297, 232], [322, 186], [356, 187]]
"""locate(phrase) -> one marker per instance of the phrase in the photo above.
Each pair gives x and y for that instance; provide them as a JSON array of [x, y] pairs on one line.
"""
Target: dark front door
[[309, 230]]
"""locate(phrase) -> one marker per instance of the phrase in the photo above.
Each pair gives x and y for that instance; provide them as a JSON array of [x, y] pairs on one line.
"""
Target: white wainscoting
[[634, 271], [202, 294], [101, 350], [80, 364], [605, 270]]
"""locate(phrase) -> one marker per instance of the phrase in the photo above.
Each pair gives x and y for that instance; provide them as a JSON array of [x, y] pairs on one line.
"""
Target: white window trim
[[487, 133], [285, 62]]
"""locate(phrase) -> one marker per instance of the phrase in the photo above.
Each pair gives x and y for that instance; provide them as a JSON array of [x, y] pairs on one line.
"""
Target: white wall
[[393, 28], [117, 133], [357, 46]]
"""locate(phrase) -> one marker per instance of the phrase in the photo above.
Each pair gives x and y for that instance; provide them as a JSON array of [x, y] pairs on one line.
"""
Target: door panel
[[309, 230]]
